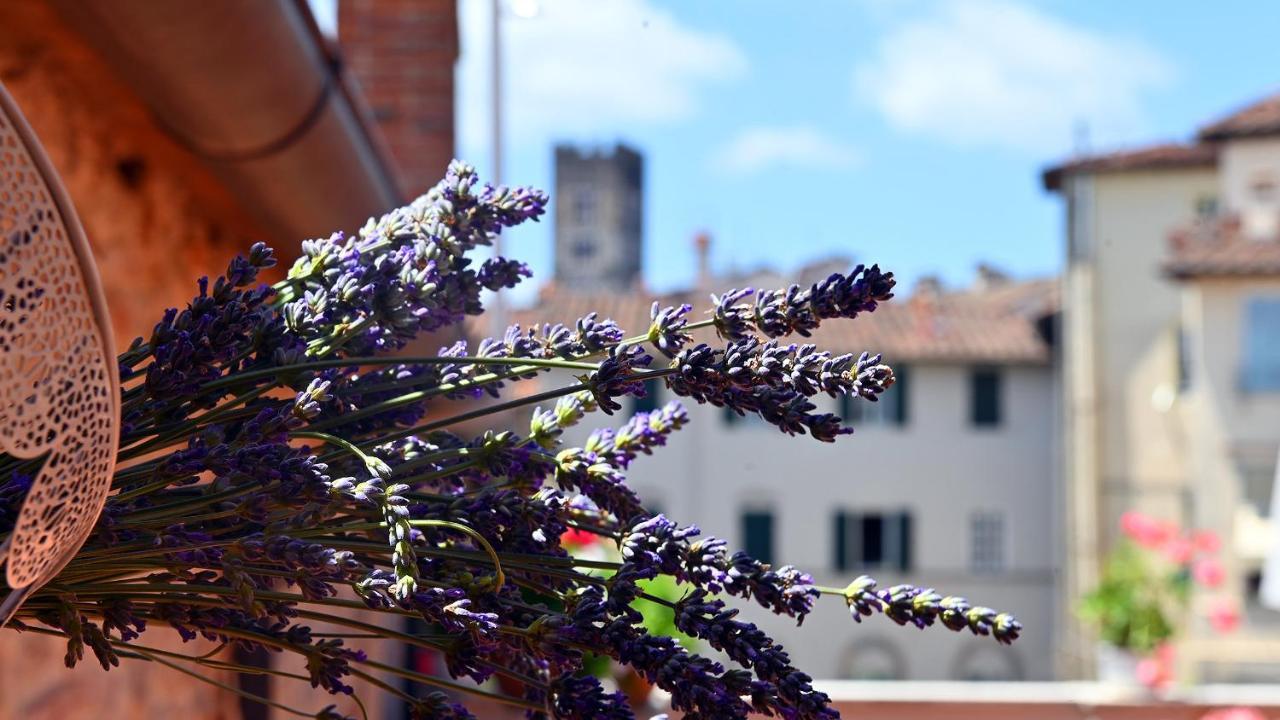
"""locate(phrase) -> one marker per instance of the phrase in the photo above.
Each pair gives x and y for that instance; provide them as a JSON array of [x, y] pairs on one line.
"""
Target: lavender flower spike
[[922, 607]]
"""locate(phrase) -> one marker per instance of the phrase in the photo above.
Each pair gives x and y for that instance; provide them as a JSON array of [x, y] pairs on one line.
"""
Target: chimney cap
[[702, 247], [990, 276], [928, 285]]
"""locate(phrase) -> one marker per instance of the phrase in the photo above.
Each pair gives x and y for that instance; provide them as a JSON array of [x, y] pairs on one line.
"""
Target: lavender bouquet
[[281, 466]]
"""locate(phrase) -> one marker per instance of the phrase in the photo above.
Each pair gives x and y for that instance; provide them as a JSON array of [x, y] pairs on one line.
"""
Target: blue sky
[[905, 132]]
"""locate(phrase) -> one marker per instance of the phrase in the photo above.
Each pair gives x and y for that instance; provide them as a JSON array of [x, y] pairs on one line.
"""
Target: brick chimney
[[924, 303], [702, 249], [402, 53]]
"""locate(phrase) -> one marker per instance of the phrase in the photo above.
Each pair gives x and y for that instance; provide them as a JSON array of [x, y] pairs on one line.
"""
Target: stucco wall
[[1238, 434], [937, 466], [1135, 310]]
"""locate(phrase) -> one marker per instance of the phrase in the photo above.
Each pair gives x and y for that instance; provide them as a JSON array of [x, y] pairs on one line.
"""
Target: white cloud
[[993, 73], [586, 68], [761, 148]]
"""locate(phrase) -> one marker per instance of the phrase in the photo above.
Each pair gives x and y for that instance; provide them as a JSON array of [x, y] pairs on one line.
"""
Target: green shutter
[[841, 546], [850, 409], [985, 401], [757, 529], [652, 388], [901, 390], [904, 537]]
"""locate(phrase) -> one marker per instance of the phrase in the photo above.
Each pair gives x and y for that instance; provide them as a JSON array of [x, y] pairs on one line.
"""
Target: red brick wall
[[402, 54]]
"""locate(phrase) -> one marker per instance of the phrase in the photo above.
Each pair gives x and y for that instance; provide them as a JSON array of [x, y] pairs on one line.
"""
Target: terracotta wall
[[157, 219]]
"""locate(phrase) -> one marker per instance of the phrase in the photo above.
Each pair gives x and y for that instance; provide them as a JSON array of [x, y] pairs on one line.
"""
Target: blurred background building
[[943, 483], [598, 219], [1171, 358]]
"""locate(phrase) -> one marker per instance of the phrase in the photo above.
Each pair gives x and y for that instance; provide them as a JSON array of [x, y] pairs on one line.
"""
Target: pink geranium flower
[[1224, 616], [1146, 530], [1206, 541], [1156, 670], [1179, 551], [1208, 572]]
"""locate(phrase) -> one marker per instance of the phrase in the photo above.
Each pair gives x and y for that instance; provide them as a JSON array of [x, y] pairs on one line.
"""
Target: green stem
[[479, 413], [392, 360], [216, 414], [369, 461], [219, 684]]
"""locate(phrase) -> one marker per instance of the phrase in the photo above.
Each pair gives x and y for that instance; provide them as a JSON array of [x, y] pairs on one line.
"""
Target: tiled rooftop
[[1154, 157], [1220, 250], [1257, 119], [994, 325]]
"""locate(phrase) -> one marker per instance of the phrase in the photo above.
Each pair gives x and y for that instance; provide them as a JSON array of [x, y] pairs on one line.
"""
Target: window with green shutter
[[871, 541], [889, 410], [757, 533], [985, 397], [652, 397]]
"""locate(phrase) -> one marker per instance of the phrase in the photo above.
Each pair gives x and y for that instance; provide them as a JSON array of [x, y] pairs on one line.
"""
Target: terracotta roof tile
[[1221, 251], [1259, 118], [992, 326], [1155, 157]]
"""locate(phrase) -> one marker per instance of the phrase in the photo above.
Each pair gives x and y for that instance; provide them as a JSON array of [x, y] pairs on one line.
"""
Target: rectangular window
[[584, 205], [256, 683], [652, 397], [986, 541], [1258, 481], [1261, 353], [732, 419], [871, 541], [1206, 207], [985, 397], [584, 247], [890, 409], [757, 533]]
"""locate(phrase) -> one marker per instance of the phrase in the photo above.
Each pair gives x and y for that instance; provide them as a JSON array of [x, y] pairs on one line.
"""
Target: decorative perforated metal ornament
[[59, 382]]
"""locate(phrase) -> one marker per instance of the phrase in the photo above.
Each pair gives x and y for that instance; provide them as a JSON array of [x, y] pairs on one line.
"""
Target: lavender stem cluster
[[277, 470]]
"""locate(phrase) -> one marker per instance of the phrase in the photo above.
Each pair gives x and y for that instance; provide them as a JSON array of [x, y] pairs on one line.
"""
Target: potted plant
[[1144, 594]]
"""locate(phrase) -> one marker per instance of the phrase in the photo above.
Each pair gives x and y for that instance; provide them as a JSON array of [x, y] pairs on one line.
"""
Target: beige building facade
[[1169, 402], [948, 482]]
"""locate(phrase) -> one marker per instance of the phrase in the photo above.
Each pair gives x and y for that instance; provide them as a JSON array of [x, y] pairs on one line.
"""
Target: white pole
[[497, 308], [1269, 593]]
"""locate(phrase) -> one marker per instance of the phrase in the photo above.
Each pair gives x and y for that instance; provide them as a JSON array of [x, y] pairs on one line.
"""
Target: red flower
[[577, 539]]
